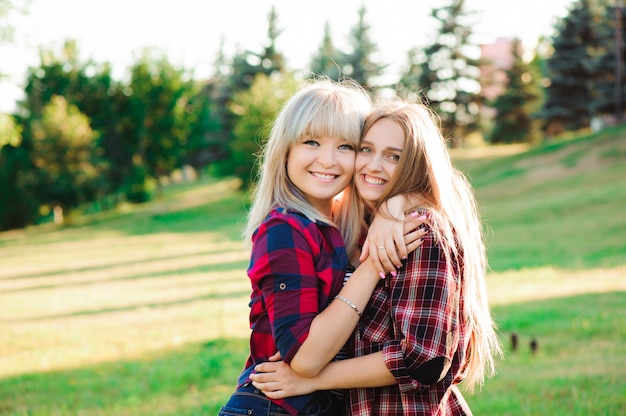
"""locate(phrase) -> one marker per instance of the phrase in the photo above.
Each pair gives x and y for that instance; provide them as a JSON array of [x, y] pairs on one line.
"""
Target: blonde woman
[[429, 328], [302, 225]]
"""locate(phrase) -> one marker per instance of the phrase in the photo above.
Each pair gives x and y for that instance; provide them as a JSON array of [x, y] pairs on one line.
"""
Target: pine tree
[[328, 61], [513, 121], [408, 87], [244, 69], [247, 64], [608, 79], [359, 64], [570, 70], [450, 75]]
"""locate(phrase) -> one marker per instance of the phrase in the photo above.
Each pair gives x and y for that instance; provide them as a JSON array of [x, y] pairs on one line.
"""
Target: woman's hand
[[277, 380], [392, 236]]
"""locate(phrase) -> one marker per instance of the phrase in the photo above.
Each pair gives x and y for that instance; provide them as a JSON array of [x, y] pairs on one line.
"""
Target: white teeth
[[374, 181], [323, 175]]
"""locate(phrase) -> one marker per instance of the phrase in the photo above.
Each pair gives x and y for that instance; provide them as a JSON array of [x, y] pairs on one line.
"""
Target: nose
[[328, 156], [374, 164]]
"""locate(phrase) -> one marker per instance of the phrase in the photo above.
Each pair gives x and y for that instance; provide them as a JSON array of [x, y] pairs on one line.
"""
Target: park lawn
[[143, 310]]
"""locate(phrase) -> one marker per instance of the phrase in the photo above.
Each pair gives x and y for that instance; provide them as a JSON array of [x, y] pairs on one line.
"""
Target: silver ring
[[381, 248]]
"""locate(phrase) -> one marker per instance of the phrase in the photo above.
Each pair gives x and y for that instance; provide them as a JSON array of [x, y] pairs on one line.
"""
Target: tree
[[570, 70], [450, 75], [608, 78], [204, 144], [158, 108], [10, 132], [408, 87], [68, 169], [256, 109], [247, 64], [328, 61], [245, 68], [359, 64], [514, 108], [13, 211]]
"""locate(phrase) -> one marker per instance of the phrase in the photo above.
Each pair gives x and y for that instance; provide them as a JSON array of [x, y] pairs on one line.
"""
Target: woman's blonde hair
[[321, 108], [425, 169]]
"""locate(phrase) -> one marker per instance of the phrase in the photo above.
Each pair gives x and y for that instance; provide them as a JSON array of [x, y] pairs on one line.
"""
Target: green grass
[[558, 205], [578, 368], [143, 310]]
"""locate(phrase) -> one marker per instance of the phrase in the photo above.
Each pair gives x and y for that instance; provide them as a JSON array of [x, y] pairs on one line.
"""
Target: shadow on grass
[[191, 380], [208, 268], [165, 304], [578, 369], [142, 261]]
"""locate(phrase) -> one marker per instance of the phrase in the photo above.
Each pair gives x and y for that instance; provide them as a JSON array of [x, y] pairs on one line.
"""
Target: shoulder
[[291, 217], [283, 223]]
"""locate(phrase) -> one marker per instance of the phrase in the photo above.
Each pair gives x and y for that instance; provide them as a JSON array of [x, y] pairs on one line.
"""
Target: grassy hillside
[[558, 205], [143, 311]]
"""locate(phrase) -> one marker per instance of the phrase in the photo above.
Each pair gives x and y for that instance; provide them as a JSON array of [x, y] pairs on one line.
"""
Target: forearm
[[332, 327], [367, 371]]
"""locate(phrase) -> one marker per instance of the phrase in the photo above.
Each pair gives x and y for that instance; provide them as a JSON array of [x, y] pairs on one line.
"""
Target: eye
[[346, 147], [394, 157], [365, 149], [310, 142]]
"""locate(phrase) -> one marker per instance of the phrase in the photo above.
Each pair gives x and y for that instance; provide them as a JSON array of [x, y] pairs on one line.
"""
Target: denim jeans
[[248, 400]]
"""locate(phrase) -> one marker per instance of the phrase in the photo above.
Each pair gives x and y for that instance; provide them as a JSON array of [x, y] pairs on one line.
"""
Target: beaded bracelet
[[350, 304]]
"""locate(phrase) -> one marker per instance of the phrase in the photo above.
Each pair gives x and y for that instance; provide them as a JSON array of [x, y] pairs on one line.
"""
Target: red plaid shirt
[[414, 318], [296, 268]]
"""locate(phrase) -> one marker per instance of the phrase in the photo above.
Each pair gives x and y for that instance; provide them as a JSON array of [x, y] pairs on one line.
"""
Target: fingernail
[[403, 257], [393, 273], [423, 217], [381, 274], [413, 214]]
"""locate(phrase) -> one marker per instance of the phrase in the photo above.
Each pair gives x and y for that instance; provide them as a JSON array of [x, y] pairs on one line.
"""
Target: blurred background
[[154, 87], [128, 141]]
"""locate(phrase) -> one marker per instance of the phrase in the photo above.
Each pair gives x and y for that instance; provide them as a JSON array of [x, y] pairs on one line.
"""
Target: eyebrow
[[387, 147]]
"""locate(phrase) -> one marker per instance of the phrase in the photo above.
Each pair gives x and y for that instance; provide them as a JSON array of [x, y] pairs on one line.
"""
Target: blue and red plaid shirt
[[414, 318], [296, 268]]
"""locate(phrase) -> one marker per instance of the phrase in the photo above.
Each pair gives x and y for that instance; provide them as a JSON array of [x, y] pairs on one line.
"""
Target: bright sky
[[189, 31]]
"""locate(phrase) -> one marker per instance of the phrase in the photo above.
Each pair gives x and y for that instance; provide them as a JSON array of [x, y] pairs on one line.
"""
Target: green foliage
[[18, 206], [57, 164], [10, 133], [158, 104], [246, 65], [514, 108], [256, 109], [328, 60], [359, 64], [609, 89], [65, 156], [577, 69], [409, 87], [449, 74]]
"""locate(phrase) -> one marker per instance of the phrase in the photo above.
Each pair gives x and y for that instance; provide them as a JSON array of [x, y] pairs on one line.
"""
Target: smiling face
[[321, 168], [377, 159]]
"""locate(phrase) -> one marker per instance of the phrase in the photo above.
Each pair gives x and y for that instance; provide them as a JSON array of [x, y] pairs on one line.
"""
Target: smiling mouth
[[370, 180], [324, 176]]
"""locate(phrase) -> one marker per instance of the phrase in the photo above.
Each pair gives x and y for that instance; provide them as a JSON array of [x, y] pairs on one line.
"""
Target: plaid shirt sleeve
[[425, 314], [283, 267]]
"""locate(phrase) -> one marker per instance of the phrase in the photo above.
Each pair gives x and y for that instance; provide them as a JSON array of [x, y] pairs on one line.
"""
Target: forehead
[[385, 133]]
